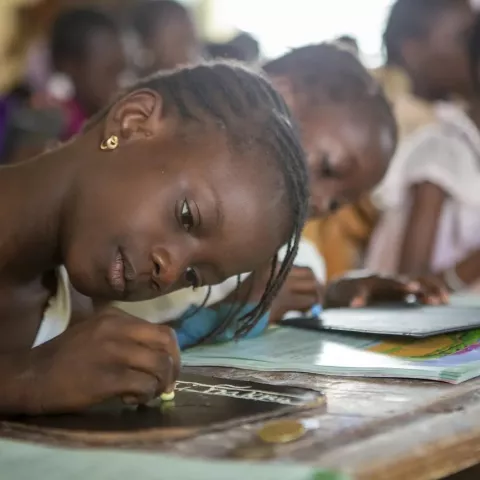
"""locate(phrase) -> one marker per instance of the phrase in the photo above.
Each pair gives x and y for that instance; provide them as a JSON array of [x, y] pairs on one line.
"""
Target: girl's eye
[[192, 278], [186, 216]]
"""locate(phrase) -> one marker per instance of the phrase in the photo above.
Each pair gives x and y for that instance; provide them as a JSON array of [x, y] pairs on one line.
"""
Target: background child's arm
[[420, 233], [421, 229]]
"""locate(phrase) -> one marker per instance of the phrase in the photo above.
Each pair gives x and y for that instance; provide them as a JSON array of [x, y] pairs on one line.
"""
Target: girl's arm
[[468, 269], [421, 229], [420, 233]]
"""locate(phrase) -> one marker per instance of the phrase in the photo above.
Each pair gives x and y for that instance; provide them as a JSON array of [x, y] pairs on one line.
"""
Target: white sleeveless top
[[446, 154], [58, 312]]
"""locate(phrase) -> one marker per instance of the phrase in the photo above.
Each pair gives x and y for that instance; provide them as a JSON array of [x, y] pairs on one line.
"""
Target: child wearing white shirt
[[431, 203]]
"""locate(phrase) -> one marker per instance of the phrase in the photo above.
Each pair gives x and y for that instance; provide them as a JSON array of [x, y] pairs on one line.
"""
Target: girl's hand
[[112, 354], [363, 291], [300, 292]]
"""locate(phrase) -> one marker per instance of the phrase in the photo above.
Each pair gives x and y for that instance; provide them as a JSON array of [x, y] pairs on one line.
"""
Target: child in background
[[423, 39], [432, 48], [152, 196], [315, 81], [431, 198], [350, 134], [88, 61], [427, 60], [167, 35]]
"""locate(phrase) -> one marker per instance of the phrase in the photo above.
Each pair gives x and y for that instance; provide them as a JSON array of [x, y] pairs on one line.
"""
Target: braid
[[325, 74], [253, 116]]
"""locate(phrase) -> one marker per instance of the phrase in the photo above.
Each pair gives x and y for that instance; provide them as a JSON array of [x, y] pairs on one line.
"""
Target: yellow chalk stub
[[167, 397], [282, 431]]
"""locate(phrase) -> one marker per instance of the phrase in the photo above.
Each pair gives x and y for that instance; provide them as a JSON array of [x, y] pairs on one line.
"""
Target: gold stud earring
[[111, 143]]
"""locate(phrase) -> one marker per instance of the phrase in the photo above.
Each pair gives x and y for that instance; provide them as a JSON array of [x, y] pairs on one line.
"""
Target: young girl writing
[[350, 135], [153, 196]]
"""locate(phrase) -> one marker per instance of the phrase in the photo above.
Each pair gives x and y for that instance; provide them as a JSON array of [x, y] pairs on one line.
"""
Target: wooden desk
[[370, 429], [374, 429]]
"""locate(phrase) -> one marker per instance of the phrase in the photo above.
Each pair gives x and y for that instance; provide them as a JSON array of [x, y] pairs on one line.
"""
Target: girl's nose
[[167, 269]]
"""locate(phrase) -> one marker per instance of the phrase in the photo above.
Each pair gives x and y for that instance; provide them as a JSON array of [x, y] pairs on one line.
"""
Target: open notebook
[[401, 319], [452, 357]]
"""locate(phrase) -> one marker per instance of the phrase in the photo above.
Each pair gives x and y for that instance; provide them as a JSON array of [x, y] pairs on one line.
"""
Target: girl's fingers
[[362, 297]]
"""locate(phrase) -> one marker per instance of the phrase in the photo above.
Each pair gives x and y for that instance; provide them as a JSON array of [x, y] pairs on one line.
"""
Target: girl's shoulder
[[445, 152], [451, 136]]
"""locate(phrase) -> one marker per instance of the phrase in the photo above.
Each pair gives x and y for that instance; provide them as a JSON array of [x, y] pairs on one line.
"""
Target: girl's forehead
[[330, 121], [353, 123], [252, 203], [366, 142]]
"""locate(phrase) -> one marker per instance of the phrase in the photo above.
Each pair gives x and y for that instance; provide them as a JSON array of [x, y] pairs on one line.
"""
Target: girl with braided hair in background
[[349, 133]]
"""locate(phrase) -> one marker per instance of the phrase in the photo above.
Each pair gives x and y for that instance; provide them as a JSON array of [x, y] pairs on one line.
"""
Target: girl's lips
[[117, 273], [123, 279]]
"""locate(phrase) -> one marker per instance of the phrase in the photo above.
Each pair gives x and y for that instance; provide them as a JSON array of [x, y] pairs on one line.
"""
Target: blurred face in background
[[98, 73], [438, 61], [348, 150], [174, 42]]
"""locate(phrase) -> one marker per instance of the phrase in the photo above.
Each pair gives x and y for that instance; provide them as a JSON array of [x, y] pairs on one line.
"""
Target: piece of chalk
[[167, 397]]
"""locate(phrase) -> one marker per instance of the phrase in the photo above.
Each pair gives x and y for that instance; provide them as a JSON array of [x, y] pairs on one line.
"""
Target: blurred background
[[79, 53], [277, 26], [64, 60]]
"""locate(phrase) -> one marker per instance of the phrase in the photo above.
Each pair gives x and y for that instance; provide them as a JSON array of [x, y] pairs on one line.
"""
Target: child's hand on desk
[[110, 355], [300, 292], [362, 291]]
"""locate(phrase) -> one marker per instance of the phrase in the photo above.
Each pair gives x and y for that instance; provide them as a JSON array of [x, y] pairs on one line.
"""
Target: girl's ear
[[136, 116], [284, 86]]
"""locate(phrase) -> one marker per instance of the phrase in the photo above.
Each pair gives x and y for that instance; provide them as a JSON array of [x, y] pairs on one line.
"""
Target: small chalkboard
[[200, 403]]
